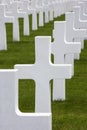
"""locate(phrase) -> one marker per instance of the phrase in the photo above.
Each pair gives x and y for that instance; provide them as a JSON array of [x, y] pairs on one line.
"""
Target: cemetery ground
[[67, 115]]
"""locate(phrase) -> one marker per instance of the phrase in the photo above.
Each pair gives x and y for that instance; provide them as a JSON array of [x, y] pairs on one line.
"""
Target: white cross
[[40, 9], [61, 48], [46, 10], [3, 19], [79, 24], [23, 6], [42, 72], [73, 34], [26, 7], [6, 3], [85, 7], [10, 116], [17, 14], [82, 15]]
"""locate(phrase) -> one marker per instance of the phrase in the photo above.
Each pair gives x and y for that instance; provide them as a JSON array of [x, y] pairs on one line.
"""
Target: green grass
[[68, 115]]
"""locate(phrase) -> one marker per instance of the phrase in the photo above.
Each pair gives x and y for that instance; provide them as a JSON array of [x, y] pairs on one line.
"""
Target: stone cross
[[11, 118], [40, 9], [3, 19], [17, 14], [61, 48], [79, 24], [73, 34], [82, 15], [30, 8], [51, 9], [46, 10], [85, 7], [6, 3], [23, 6], [42, 72]]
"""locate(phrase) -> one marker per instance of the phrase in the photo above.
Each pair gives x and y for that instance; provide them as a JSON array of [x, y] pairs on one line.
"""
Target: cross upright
[[17, 14], [3, 19], [24, 5], [61, 48], [73, 34], [39, 6], [46, 10], [29, 9], [79, 24], [42, 72]]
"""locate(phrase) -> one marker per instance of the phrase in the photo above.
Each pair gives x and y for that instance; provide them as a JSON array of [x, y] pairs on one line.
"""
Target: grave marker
[[23, 6], [3, 19], [73, 34], [10, 116], [42, 72], [40, 9], [17, 14], [85, 7], [60, 48], [82, 15], [79, 24], [32, 9]]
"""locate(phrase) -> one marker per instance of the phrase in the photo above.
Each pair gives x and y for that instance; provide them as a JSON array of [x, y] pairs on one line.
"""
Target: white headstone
[[3, 19], [10, 116], [23, 6], [42, 72], [17, 14], [60, 48], [82, 15], [79, 24], [73, 34], [40, 9], [32, 9], [85, 7], [27, 7]]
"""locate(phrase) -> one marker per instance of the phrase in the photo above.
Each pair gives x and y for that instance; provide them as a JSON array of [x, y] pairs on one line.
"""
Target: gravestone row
[[66, 47], [21, 9]]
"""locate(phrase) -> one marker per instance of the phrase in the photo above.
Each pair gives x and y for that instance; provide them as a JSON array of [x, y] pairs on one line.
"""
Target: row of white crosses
[[11, 10], [42, 72]]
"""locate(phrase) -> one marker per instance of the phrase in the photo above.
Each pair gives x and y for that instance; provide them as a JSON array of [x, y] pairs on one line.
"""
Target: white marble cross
[[51, 9], [81, 13], [6, 3], [61, 48], [46, 10], [40, 9], [17, 14], [3, 19], [79, 24], [73, 34], [85, 7], [42, 72], [30, 8], [10, 116], [23, 6]]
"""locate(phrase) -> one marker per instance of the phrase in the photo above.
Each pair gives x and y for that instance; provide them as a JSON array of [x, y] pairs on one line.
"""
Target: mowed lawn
[[67, 115]]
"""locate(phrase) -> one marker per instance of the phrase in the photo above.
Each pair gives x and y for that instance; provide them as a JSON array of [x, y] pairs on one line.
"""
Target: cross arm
[[82, 33], [73, 47], [61, 71], [9, 19], [25, 71], [21, 14]]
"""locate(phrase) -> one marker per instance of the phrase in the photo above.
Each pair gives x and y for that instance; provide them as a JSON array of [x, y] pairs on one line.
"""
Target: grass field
[[67, 115]]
